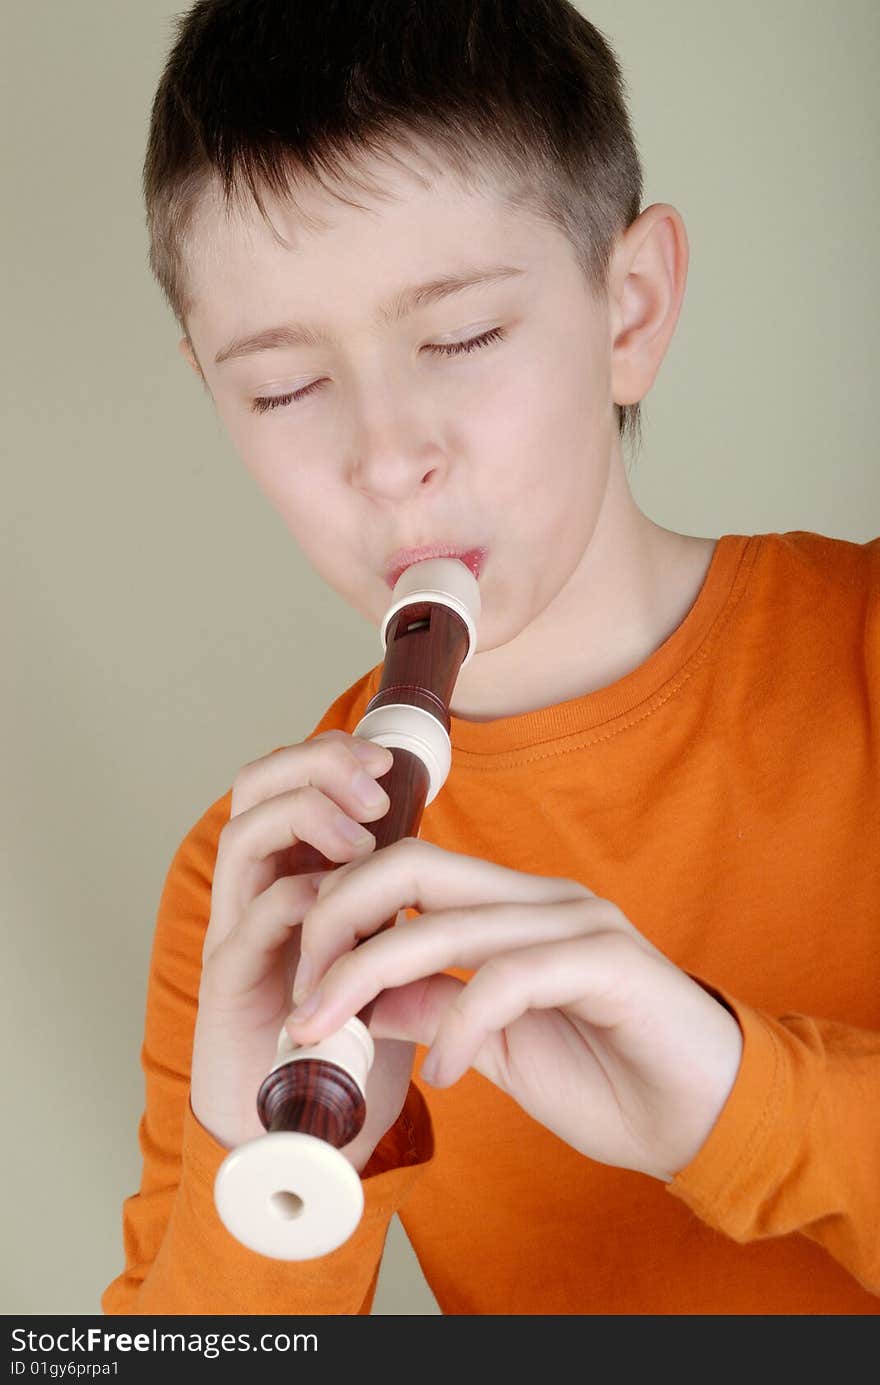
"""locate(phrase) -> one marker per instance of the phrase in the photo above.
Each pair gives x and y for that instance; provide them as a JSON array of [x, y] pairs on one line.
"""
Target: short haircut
[[525, 96]]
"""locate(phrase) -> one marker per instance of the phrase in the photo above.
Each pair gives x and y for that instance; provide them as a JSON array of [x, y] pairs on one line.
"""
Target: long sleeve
[[797, 1145], [179, 1258]]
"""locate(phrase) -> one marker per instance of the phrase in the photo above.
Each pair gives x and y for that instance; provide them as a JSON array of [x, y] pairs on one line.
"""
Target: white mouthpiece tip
[[449, 575], [446, 582]]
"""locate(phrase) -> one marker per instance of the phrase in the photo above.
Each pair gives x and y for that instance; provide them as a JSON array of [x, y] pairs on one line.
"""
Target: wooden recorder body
[[291, 1194]]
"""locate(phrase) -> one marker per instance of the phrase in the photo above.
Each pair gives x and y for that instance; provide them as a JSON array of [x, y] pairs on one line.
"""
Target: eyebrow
[[400, 305]]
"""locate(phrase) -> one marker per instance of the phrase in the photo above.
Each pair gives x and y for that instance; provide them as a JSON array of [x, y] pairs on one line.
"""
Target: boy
[[644, 973]]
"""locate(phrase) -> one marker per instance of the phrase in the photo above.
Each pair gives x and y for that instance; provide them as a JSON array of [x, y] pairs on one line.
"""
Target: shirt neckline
[[653, 680]]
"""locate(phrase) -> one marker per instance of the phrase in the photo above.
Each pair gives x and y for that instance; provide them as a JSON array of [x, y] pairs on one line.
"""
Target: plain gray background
[[161, 628]]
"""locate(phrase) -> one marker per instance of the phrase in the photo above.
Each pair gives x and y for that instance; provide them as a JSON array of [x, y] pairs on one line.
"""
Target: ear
[[185, 348], [646, 284]]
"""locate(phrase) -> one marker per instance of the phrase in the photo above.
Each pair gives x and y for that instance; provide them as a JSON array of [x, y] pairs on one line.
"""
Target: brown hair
[[266, 92]]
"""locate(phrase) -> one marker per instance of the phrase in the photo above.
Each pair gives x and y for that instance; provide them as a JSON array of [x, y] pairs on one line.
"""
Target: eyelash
[[458, 348]]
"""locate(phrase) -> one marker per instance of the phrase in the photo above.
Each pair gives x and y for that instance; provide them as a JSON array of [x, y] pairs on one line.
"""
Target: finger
[[240, 961], [413, 1012], [592, 973], [352, 905], [303, 814], [435, 942], [333, 756]]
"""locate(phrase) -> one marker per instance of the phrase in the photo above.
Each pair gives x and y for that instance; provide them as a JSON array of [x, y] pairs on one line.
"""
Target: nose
[[396, 445]]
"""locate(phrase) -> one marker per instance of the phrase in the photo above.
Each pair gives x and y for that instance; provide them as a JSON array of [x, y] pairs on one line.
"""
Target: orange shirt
[[726, 795]]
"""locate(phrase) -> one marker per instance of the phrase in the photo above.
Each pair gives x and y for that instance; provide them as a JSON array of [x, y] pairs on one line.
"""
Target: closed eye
[[452, 348], [455, 348]]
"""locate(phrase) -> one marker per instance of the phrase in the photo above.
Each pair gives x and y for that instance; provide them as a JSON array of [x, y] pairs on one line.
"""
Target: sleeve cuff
[[392, 1168], [728, 1175], [409, 1142]]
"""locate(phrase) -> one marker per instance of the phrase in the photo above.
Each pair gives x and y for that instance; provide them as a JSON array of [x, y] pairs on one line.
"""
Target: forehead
[[402, 209]]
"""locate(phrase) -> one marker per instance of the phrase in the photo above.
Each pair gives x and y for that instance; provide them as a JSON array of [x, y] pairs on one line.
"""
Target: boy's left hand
[[570, 1009]]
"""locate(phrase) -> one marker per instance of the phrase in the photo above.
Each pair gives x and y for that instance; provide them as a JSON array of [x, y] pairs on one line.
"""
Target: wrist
[[721, 1061], [359, 1153]]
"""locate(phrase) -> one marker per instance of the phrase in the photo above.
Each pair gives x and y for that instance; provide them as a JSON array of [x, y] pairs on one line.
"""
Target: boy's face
[[396, 443]]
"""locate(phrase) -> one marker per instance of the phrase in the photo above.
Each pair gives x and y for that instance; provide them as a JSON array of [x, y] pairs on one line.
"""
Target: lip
[[473, 558]]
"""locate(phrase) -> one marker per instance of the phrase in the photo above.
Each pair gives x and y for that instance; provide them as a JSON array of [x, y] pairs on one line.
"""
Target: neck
[[633, 586]]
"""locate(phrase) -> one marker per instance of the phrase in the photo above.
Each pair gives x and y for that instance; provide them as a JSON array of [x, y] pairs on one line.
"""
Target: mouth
[[473, 558]]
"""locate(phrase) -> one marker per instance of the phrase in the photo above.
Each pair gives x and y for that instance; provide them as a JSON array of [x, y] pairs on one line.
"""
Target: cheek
[[535, 431], [313, 513], [270, 457], [310, 510], [546, 394], [286, 489]]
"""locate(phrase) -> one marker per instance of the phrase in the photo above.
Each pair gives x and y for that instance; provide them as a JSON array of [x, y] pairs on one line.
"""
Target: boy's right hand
[[282, 805]]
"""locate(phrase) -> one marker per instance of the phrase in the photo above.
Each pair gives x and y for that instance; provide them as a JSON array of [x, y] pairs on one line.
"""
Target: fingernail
[[367, 790], [353, 831], [307, 1008], [429, 1068], [305, 975], [370, 753]]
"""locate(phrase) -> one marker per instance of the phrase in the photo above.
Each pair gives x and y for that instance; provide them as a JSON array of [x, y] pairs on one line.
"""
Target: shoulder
[[817, 580], [816, 601], [835, 564]]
